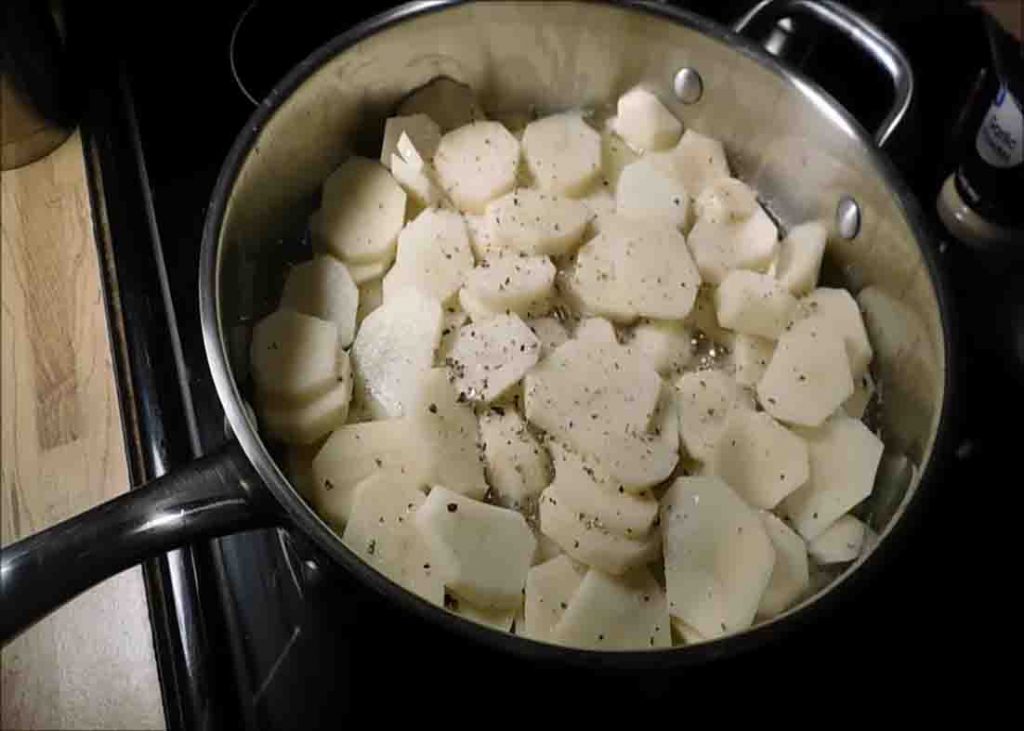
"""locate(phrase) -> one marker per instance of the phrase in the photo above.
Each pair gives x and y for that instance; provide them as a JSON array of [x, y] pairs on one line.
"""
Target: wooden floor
[[90, 664]]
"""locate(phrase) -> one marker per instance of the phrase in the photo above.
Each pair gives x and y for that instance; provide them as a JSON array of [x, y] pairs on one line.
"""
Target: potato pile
[[567, 381]]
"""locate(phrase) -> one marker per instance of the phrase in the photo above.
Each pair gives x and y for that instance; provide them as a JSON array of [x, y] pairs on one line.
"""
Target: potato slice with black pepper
[[549, 589], [518, 466], [528, 221], [324, 288], [790, 576], [362, 211], [841, 542], [490, 357], [476, 164], [563, 153], [294, 357], [512, 283]]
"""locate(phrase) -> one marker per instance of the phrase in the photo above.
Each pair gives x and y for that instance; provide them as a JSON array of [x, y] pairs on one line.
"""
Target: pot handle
[[861, 32], [212, 496]]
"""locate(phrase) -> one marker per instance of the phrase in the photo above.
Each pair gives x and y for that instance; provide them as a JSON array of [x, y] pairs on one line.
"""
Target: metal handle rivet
[[688, 85], [847, 218]]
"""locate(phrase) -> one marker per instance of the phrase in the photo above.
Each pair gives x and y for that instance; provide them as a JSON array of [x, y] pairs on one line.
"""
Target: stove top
[[250, 632]]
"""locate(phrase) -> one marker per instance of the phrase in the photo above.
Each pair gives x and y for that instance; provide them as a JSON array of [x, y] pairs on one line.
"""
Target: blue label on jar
[[1000, 139]]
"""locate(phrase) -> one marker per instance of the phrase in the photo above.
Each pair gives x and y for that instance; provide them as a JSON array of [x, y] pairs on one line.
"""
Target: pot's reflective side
[[785, 137]]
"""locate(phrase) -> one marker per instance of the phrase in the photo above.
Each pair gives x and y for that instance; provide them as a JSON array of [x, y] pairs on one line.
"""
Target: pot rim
[[301, 515]]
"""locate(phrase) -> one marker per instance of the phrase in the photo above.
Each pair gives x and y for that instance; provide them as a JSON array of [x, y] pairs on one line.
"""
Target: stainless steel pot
[[784, 135]]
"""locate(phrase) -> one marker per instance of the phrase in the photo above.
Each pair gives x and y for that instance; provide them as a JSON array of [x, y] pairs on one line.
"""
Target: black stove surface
[[249, 633]]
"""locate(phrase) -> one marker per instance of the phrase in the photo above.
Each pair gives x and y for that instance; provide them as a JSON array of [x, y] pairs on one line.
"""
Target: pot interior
[[782, 136]]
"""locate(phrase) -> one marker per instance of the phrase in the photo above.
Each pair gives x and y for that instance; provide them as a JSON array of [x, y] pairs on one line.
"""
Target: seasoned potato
[[563, 153]]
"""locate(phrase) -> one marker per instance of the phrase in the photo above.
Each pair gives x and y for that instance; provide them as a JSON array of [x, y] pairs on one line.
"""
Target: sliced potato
[[592, 545], [417, 182], [293, 357], [750, 358], [513, 283], [483, 551], [703, 320], [718, 248], [324, 288], [583, 388], [490, 357], [380, 530], [446, 430], [454, 318], [760, 459], [800, 255], [644, 122], [450, 103], [533, 222], [434, 256], [306, 423], [841, 542], [563, 153], [421, 130], [362, 209], [371, 296], [625, 612], [394, 346], [601, 204], [615, 155], [667, 344], [596, 330], [840, 310], [549, 589], [844, 458], [718, 557], [753, 304], [705, 400], [481, 238], [633, 269], [808, 377], [477, 163], [698, 161], [726, 200], [518, 467], [364, 273], [356, 451], [549, 331], [863, 392], [645, 191], [581, 485], [475, 308], [790, 576]]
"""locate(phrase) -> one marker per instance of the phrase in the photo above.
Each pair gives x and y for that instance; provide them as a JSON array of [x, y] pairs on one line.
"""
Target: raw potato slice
[[362, 209], [800, 255], [705, 400], [601, 204], [667, 344], [718, 557], [644, 122], [446, 430], [499, 619], [490, 357], [790, 576], [588, 393], [563, 153], [760, 459], [483, 551], [518, 467], [750, 358], [476, 164], [531, 222], [371, 296], [549, 331], [434, 256], [863, 391], [380, 530], [596, 330], [394, 346], [549, 589], [417, 182], [421, 130], [449, 103], [808, 377], [356, 451], [547, 549], [753, 304], [324, 288], [840, 310], [632, 269], [646, 192], [726, 201], [454, 318], [592, 545], [481, 238], [308, 422], [581, 485], [512, 283], [293, 357], [615, 155], [841, 542], [844, 458], [718, 248], [615, 613], [698, 161], [363, 273]]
